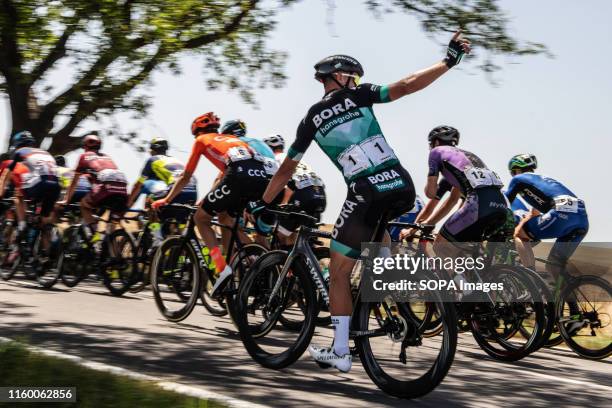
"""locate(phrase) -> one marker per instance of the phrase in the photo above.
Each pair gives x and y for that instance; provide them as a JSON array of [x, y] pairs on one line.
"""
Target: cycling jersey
[[462, 169], [484, 208], [109, 185], [564, 216], [99, 168], [37, 179], [541, 192], [344, 126], [221, 150], [165, 169], [409, 217], [265, 153]]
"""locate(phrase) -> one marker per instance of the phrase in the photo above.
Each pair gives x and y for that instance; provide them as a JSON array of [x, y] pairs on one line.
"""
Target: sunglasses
[[355, 77]]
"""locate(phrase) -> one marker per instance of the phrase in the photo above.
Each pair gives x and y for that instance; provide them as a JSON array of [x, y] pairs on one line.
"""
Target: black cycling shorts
[[388, 193], [45, 192], [243, 181], [483, 212], [311, 200]]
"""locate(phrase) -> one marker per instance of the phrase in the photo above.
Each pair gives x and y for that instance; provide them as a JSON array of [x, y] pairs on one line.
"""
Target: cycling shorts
[[484, 211], [388, 193], [111, 195], [311, 200], [243, 181], [569, 229], [46, 192], [180, 215]]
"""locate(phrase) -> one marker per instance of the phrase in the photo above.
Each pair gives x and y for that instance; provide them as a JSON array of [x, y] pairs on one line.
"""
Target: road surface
[[205, 351]]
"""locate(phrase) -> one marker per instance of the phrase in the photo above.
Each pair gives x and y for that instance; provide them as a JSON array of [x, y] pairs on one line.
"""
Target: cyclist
[[109, 185], [66, 174], [344, 126], [484, 207], [277, 143], [159, 174], [557, 211], [305, 189], [36, 180], [244, 178]]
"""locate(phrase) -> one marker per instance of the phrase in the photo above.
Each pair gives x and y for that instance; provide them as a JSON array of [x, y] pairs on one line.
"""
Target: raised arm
[[457, 47]]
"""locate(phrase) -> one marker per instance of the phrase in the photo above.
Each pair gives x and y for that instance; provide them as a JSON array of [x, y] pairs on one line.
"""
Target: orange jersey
[[217, 148]]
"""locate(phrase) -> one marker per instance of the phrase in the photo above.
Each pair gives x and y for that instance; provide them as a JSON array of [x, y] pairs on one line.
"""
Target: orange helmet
[[204, 121], [92, 142]]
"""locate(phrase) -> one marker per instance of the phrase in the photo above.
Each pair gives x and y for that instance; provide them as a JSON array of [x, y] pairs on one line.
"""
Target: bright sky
[[558, 108]]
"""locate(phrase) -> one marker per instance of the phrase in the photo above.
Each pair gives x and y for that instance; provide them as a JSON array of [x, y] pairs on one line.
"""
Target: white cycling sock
[[341, 334], [22, 225]]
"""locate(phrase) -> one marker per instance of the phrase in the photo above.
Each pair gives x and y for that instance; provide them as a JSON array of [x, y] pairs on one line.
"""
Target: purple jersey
[[461, 168]]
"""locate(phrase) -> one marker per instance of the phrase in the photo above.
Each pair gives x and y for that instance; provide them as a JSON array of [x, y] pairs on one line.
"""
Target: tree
[[113, 46]]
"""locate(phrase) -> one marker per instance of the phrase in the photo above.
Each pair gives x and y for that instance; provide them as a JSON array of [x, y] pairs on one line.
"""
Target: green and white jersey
[[344, 126]]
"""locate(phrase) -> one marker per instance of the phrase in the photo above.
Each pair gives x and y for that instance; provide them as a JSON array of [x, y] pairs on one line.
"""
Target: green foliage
[[113, 46]]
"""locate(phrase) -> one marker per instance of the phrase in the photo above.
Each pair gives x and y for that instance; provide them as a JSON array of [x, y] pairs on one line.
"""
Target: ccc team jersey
[[219, 149], [344, 126]]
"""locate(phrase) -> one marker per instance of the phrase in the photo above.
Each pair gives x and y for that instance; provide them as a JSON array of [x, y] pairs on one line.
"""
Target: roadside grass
[[21, 367]]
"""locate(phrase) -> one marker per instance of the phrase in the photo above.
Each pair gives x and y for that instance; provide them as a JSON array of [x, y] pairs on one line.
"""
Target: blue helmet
[[21, 139]]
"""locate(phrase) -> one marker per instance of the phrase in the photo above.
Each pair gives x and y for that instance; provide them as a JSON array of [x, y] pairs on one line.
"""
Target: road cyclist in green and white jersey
[[344, 126]]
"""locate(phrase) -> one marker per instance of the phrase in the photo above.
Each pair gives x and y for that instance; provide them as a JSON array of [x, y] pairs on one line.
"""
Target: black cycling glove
[[454, 53]]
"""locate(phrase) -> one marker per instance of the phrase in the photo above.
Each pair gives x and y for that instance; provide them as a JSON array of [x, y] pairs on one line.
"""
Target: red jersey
[[219, 149], [99, 168]]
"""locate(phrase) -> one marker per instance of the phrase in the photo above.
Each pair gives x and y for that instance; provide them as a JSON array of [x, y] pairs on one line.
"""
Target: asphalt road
[[205, 351]]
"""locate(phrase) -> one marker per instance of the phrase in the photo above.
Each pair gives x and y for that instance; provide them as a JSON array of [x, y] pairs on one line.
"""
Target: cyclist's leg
[[49, 197]]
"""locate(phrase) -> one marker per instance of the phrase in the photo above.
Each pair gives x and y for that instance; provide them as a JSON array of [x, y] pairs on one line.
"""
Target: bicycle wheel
[[47, 271], [74, 257], [117, 265], [176, 278], [494, 324], [323, 318], [142, 262], [257, 311], [584, 317], [241, 262], [395, 354]]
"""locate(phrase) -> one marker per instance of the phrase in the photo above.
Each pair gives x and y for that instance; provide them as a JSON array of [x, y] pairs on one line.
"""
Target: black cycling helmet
[[446, 134], [159, 145], [21, 139], [60, 160], [337, 63], [234, 127]]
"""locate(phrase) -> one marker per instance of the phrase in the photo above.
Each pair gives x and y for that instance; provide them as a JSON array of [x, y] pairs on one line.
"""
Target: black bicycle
[[397, 358], [496, 321], [25, 252], [180, 273], [108, 255]]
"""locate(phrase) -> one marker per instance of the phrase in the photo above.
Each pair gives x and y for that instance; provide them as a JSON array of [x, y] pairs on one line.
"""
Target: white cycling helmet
[[274, 141]]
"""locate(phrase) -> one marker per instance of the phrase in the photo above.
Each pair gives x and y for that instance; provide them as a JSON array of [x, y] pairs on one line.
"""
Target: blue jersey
[[538, 191], [259, 146], [410, 216]]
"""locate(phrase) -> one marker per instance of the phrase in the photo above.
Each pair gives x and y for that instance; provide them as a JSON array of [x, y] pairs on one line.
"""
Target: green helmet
[[523, 161]]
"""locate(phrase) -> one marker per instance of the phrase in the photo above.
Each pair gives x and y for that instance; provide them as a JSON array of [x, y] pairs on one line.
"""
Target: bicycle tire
[[288, 356], [170, 251], [76, 252], [115, 260], [424, 384], [47, 275], [566, 294]]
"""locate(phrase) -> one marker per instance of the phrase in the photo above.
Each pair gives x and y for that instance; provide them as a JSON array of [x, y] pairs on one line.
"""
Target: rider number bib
[[566, 204], [480, 177], [369, 153], [111, 176], [238, 153]]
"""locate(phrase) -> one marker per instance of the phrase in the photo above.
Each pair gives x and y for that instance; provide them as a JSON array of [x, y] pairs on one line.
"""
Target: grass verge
[[21, 367]]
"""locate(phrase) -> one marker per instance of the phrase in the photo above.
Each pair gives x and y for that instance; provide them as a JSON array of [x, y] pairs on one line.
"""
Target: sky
[[558, 108]]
